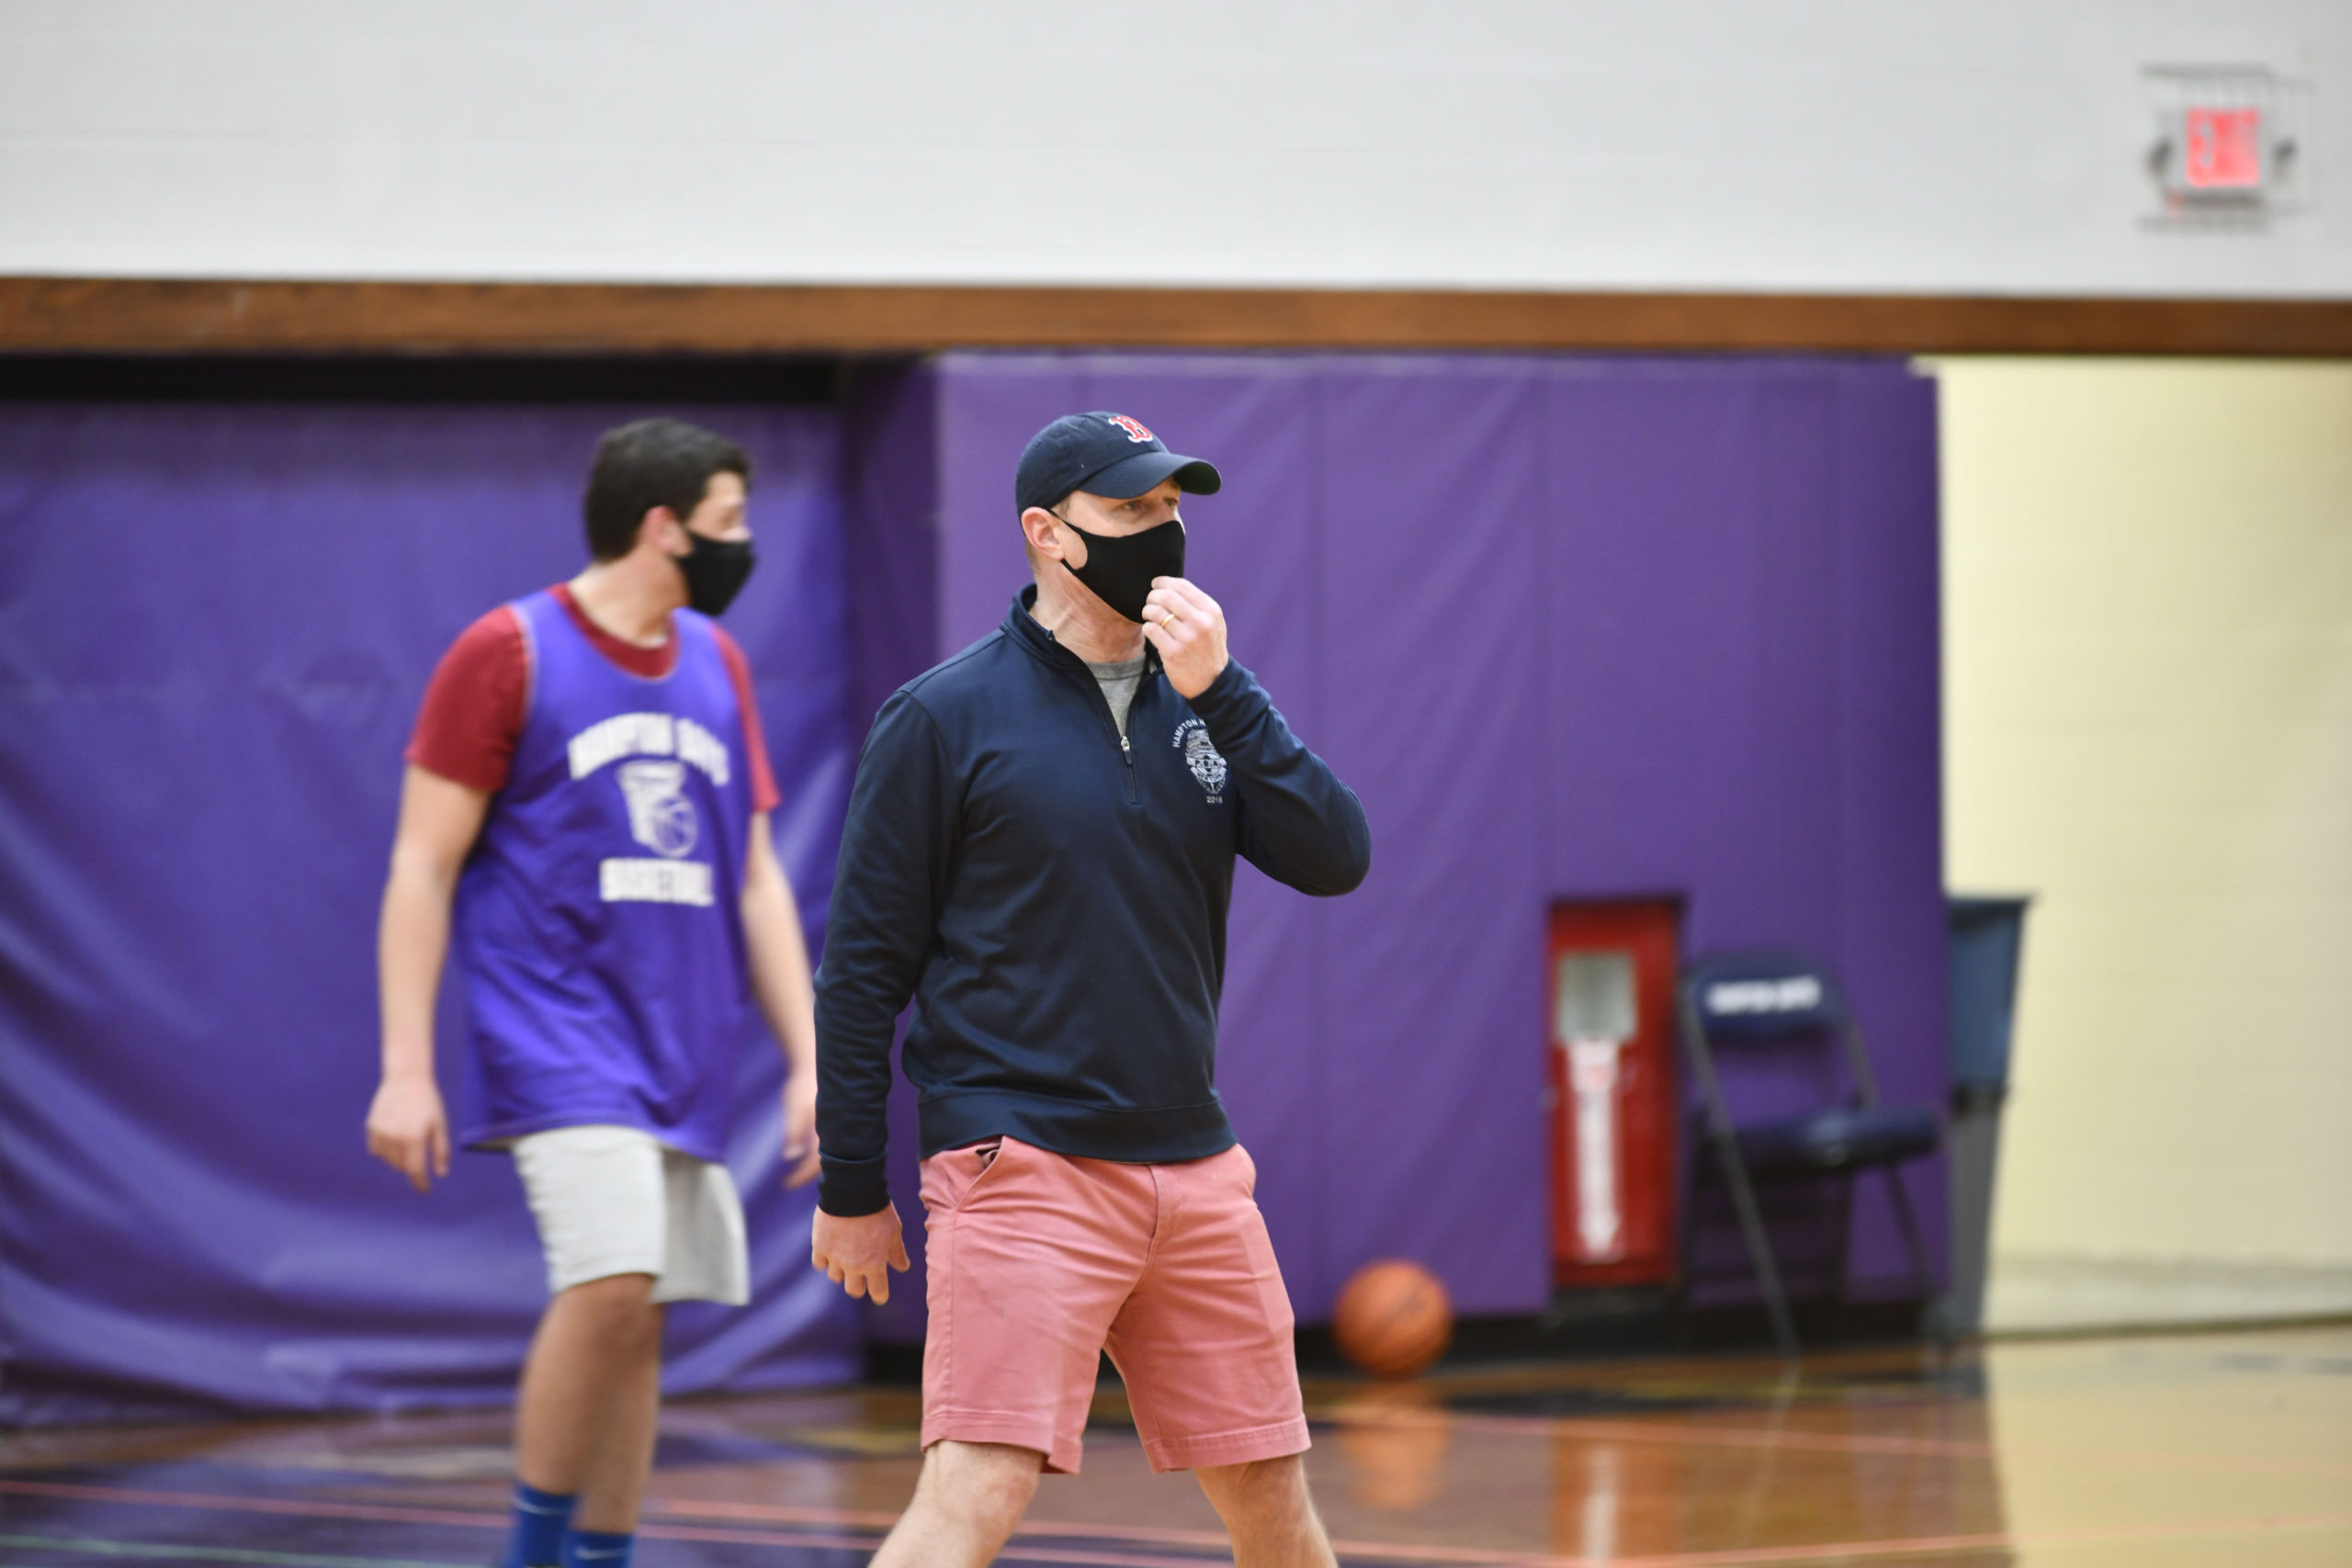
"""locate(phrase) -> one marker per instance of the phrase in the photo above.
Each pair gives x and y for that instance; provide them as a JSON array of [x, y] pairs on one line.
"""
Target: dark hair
[[650, 463]]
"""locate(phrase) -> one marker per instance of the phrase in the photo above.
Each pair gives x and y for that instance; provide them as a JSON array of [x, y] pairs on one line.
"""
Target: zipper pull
[[1127, 750]]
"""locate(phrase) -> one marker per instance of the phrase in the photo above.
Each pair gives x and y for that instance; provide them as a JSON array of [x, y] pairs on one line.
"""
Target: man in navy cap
[[1039, 853]]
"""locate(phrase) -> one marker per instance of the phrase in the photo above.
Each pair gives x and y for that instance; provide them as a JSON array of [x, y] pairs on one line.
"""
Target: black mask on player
[[714, 571], [1119, 566]]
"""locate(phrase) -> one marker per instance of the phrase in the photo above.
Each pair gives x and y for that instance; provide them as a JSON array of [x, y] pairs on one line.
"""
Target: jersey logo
[[1134, 427], [1203, 758], [660, 816]]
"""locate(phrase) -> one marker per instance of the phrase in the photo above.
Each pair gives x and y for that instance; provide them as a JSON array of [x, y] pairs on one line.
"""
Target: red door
[[1612, 988]]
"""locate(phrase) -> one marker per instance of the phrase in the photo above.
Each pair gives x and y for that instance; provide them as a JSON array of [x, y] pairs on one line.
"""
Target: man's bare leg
[[1268, 1513], [969, 1500], [592, 1392]]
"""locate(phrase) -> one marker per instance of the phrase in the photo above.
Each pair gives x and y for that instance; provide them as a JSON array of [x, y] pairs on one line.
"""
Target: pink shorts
[[1039, 1261]]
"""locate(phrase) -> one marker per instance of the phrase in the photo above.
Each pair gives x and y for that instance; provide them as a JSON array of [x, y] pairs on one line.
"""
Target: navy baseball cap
[[1102, 454]]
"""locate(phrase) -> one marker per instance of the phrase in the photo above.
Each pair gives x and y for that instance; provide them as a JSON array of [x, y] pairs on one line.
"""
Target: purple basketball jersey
[[598, 922]]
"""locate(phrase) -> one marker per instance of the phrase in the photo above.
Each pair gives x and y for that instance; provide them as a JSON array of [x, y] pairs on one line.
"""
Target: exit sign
[[2228, 149], [2221, 148]]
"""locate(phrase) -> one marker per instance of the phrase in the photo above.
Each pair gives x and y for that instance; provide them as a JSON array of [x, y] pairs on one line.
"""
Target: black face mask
[[714, 571], [1119, 566]]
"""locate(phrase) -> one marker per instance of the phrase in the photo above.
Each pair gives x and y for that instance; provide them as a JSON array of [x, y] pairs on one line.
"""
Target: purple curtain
[[215, 624]]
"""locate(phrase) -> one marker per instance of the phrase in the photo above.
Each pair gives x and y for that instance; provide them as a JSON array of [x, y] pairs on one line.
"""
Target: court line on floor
[[1732, 1557], [1012, 1553], [1152, 1535], [296, 1507], [1825, 1442], [95, 1546], [301, 1507], [1466, 1557], [1997, 1541]]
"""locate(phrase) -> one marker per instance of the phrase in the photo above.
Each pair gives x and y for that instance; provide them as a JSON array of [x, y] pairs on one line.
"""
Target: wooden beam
[[75, 315]]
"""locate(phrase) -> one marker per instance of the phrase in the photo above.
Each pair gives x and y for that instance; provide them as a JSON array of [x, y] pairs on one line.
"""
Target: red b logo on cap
[[1136, 432]]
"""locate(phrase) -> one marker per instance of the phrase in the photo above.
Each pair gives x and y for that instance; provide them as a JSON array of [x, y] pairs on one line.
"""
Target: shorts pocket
[[951, 1176]]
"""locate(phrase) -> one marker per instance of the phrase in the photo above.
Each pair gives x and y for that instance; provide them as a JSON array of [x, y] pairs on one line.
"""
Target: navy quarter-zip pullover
[[1052, 895]]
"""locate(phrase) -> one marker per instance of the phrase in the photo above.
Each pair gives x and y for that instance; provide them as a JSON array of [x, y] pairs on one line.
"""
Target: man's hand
[[853, 1253], [801, 1161], [408, 1130], [1188, 628]]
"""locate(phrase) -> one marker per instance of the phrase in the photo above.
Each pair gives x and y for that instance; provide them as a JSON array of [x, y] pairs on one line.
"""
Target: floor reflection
[[1393, 1439]]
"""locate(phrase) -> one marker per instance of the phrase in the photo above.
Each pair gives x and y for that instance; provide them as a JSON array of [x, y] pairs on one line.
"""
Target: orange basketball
[[1392, 1319]]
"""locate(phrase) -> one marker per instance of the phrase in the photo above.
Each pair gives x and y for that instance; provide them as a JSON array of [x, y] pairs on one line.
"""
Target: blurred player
[[587, 795], [1040, 852]]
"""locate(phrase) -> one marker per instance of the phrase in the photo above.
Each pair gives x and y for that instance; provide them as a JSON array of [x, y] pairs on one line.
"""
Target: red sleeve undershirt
[[472, 713]]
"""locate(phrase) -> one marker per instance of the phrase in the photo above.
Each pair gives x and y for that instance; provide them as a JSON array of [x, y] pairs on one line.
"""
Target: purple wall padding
[[215, 624], [890, 431], [1574, 628]]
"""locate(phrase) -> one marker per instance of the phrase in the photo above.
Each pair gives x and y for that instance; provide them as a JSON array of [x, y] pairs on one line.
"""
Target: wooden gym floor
[[2154, 1451]]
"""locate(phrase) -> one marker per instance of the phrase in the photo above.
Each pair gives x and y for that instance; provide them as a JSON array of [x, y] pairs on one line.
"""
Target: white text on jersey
[[648, 735]]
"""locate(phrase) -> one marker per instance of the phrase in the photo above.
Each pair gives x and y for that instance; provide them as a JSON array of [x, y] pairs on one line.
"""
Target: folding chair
[[1749, 999]]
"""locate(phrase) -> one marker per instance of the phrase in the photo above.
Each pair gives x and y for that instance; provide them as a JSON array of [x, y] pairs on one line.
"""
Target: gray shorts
[[617, 1201]]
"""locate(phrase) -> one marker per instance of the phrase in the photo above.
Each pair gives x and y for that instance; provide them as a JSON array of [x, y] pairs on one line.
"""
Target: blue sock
[[540, 1520], [597, 1549]]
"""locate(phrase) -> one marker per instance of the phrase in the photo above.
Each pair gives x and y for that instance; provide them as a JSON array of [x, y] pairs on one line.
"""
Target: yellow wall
[[2148, 681]]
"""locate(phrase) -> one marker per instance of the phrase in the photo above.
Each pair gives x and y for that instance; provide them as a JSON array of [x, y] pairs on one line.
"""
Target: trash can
[[1986, 936]]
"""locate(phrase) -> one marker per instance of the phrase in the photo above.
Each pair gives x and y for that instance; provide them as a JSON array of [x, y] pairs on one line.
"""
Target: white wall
[[1958, 146], [2148, 725]]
